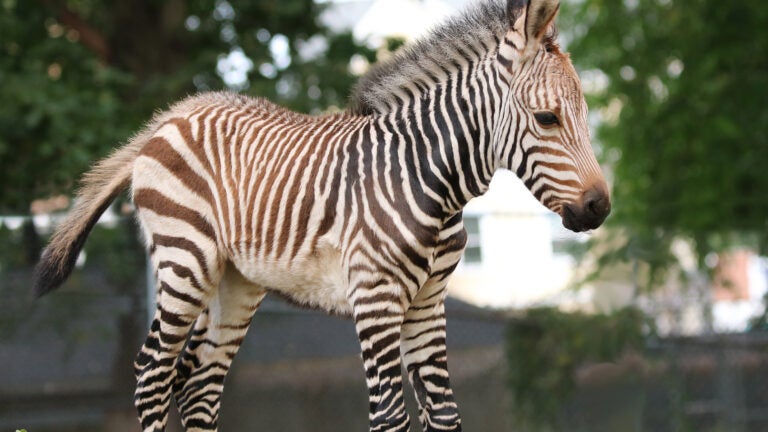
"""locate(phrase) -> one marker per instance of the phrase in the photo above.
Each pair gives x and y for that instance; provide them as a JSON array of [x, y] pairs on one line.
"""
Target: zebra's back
[[257, 182]]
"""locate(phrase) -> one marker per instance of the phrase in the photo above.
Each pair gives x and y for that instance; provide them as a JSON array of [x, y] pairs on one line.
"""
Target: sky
[[370, 21]]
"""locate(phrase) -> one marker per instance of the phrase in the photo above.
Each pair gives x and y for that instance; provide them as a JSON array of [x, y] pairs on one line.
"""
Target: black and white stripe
[[357, 213]]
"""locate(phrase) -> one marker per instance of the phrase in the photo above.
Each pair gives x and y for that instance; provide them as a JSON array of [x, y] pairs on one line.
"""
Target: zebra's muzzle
[[589, 212]]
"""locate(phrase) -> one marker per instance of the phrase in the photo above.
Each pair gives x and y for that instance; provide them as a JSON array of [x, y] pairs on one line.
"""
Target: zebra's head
[[541, 131]]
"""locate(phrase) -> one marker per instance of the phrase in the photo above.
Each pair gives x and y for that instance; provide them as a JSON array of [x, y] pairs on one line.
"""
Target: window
[[565, 242], [472, 252]]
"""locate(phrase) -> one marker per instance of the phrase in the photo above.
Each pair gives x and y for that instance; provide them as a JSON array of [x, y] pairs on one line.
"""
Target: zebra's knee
[[200, 385], [198, 389], [198, 401], [444, 418], [400, 422], [185, 366]]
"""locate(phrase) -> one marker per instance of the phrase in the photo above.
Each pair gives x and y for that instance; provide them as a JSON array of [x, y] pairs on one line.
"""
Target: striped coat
[[356, 213]]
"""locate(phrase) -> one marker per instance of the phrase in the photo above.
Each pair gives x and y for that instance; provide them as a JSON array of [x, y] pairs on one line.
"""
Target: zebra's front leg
[[213, 344], [425, 356], [378, 315]]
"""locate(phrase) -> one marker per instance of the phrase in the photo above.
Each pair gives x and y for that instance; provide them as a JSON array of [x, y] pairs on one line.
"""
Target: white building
[[514, 256]]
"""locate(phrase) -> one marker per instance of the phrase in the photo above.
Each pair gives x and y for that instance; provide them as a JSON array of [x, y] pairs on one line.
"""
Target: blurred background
[[654, 322]]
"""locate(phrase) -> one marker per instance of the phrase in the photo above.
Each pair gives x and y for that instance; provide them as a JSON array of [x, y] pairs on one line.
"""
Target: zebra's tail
[[100, 186]]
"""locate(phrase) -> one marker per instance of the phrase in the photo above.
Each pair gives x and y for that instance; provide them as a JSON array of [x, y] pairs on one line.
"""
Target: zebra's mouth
[[589, 210], [580, 221], [570, 220]]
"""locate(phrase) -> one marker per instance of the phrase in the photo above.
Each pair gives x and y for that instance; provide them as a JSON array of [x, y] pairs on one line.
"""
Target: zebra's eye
[[546, 118]]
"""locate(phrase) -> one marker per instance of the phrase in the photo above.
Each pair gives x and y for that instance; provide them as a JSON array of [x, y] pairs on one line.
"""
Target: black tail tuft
[[51, 272], [100, 186], [56, 265], [47, 277]]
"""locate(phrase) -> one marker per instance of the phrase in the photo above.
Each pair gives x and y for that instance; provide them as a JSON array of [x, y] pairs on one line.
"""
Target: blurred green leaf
[[690, 78], [76, 84]]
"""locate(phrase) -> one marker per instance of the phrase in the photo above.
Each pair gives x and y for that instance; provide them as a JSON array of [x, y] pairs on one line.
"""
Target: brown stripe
[[255, 167], [160, 150], [305, 208], [182, 272], [167, 289], [185, 130], [209, 131], [268, 184], [243, 177], [286, 143], [187, 245], [151, 199], [300, 170]]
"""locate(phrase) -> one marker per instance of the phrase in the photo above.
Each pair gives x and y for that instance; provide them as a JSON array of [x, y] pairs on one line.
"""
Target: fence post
[[729, 385]]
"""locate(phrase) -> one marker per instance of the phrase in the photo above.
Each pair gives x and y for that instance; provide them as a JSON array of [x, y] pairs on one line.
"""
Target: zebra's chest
[[311, 279]]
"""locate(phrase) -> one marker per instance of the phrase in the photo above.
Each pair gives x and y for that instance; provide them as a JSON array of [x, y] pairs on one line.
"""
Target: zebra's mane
[[478, 26]]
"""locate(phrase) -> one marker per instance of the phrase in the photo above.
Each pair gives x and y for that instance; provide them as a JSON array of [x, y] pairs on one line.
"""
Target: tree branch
[[89, 36]]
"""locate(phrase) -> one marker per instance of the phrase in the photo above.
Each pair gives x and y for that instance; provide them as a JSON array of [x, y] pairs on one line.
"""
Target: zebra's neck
[[439, 95], [445, 126]]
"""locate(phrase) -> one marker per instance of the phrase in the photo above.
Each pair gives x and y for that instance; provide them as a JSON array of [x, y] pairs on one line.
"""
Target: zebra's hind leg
[[185, 278], [212, 346], [425, 357]]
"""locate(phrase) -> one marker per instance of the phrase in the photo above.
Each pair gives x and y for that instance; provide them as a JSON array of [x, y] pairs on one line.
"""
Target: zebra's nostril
[[594, 206], [590, 206]]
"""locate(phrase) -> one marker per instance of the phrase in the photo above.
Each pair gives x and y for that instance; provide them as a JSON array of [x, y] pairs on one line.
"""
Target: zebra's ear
[[529, 21], [538, 19], [515, 10]]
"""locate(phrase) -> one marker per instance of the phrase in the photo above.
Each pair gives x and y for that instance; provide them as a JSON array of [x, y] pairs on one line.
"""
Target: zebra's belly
[[313, 280]]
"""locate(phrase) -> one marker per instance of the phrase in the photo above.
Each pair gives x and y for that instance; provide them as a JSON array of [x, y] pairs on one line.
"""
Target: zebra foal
[[357, 213]]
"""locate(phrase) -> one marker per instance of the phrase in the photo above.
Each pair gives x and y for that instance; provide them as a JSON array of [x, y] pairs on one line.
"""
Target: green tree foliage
[[79, 76], [682, 101]]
